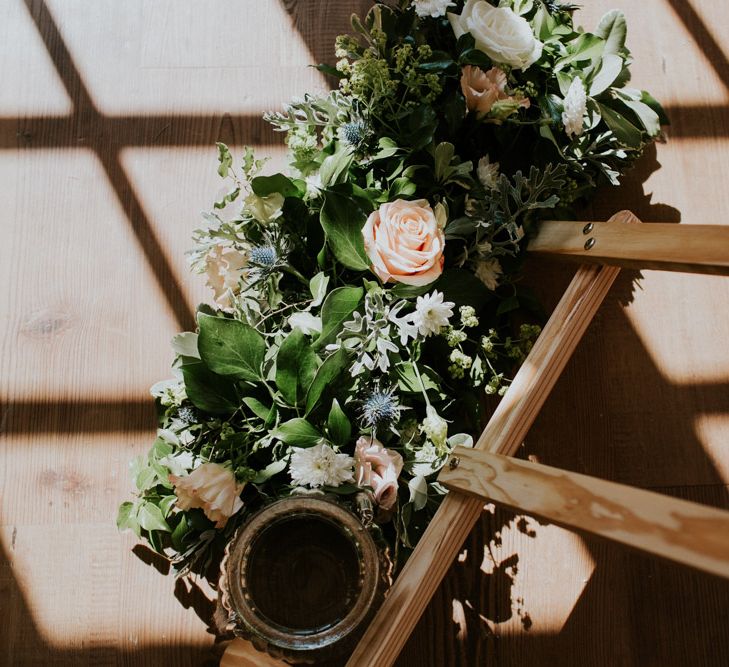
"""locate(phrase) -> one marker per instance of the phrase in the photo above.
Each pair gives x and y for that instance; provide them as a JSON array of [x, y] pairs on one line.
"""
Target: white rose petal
[[501, 34]]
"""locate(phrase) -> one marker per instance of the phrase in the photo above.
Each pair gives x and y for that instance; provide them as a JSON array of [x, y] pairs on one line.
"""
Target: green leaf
[[297, 432], [258, 408], [507, 305], [610, 70], [208, 391], [408, 379], [181, 529], [295, 367], [342, 221], [647, 116], [224, 158], [388, 147], [338, 425], [336, 309], [269, 471], [166, 504], [463, 288], [613, 28], [126, 518], [335, 167], [267, 185], [318, 287], [185, 344], [418, 492], [328, 372], [150, 518], [230, 347], [625, 132]]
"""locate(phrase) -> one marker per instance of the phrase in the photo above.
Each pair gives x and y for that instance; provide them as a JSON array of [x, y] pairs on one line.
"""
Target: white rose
[[502, 35]]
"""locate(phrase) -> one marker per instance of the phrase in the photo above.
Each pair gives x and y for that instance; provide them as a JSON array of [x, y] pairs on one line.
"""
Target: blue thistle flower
[[264, 256], [355, 133], [380, 408]]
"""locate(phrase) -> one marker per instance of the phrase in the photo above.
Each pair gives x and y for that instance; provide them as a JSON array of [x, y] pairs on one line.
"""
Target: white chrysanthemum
[[432, 313], [487, 172], [488, 272], [575, 107], [433, 8], [320, 466]]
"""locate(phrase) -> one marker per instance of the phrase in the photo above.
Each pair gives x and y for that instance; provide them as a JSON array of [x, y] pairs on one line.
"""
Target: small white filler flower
[[432, 313], [433, 8], [575, 107], [320, 466]]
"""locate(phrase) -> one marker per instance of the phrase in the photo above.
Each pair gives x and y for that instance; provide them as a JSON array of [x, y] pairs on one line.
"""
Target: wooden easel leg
[[433, 556]]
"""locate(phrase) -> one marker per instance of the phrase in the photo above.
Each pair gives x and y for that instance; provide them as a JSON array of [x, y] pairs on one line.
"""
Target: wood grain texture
[[660, 246], [87, 307], [518, 409], [687, 533]]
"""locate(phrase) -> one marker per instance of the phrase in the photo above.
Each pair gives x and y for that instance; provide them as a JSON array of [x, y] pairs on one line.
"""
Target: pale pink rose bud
[[211, 487], [404, 242], [379, 468], [483, 90]]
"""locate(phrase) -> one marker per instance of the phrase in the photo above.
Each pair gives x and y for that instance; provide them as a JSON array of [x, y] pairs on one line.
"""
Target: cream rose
[[379, 468], [213, 488], [501, 34], [405, 242]]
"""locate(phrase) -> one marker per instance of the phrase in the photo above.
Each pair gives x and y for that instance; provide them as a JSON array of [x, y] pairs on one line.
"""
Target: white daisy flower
[[432, 8], [432, 313], [320, 466], [575, 108]]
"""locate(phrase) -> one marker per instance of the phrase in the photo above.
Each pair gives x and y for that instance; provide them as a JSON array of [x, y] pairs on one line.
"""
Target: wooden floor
[[108, 114]]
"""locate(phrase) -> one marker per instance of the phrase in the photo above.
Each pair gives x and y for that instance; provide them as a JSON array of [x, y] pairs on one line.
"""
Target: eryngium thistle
[[355, 133], [379, 409], [264, 256]]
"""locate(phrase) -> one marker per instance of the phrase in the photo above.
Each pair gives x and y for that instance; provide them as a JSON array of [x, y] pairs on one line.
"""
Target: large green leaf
[[626, 133], [295, 367], [267, 185], [328, 372], [297, 432], [334, 168], [150, 518], [208, 391], [613, 29], [342, 221], [230, 347], [336, 309], [338, 425]]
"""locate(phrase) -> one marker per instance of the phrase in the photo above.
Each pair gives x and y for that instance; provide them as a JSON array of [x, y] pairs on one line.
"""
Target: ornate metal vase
[[304, 575]]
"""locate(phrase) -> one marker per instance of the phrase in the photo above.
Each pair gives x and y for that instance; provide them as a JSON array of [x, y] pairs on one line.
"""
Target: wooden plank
[[688, 533], [457, 515], [661, 246]]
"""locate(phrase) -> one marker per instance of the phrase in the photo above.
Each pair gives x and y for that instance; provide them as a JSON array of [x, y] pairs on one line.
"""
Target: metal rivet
[[590, 243], [454, 462], [587, 228]]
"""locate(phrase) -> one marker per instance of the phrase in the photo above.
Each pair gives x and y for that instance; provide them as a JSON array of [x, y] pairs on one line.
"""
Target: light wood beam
[[688, 533]]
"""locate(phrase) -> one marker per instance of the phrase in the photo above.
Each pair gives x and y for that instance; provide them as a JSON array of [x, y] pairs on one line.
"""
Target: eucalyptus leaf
[[337, 309], [150, 518], [298, 432], [335, 168], [610, 70], [230, 347], [342, 221], [613, 28], [296, 366], [269, 471], [338, 425], [126, 518], [318, 287], [185, 344], [328, 372], [208, 391], [256, 407], [625, 132]]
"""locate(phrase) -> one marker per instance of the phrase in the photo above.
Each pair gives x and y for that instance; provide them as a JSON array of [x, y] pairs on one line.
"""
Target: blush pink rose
[[379, 468], [405, 242], [211, 487], [483, 89]]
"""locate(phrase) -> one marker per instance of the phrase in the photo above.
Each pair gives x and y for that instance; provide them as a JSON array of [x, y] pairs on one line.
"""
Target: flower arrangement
[[368, 301]]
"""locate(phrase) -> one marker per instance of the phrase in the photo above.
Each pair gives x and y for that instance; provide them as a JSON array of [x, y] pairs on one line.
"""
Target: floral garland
[[366, 303]]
